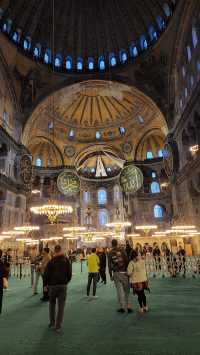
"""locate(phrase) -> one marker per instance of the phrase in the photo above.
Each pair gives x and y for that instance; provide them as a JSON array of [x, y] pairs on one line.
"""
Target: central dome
[[84, 35]]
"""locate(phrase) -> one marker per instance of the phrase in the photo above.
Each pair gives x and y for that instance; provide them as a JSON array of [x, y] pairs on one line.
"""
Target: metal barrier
[[172, 266], [20, 268]]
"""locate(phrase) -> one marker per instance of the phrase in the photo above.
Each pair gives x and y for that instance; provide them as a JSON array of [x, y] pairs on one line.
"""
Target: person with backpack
[[57, 275], [118, 263], [138, 279]]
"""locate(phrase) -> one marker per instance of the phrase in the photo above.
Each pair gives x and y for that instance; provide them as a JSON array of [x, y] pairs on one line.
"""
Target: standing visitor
[[3, 274], [102, 266], [57, 275], [138, 279], [93, 264], [32, 265], [38, 262], [118, 263], [46, 258]]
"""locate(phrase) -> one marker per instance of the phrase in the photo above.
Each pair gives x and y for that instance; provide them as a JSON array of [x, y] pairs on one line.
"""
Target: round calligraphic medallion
[[131, 179], [68, 183], [127, 147], [26, 169], [168, 159], [69, 151]]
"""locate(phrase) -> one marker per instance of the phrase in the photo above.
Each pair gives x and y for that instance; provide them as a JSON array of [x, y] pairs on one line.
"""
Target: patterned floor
[[94, 328]]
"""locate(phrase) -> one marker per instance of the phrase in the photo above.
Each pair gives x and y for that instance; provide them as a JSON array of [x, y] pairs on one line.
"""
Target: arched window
[[36, 52], [183, 71], [68, 63], [98, 135], [122, 131], [102, 217], [79, 64], [155, 187], [194, 37], [47, 56], [90, 63], [71, 133], [158, 211], [112, 60], [191, 80], [58, 61], [102, 196], [189, 53], [133, 50], [181, 103], [7, 26], [167, 9], [101, 63], [27, 44], [38, 162], [116, 193], [198, 65], [86, 196], [50, 126], [161, 23], [152, 33], [186, 93], [15, 37], [123, 56], [160, 153], [149, 155], [153, 174], [143, 43]]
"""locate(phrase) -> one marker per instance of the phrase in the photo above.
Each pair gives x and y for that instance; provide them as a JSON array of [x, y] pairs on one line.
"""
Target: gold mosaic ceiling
[[99, 104]]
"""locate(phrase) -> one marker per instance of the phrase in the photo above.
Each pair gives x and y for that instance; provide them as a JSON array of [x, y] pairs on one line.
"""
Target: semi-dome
[[151, 146], [45, 153], [85, 35]]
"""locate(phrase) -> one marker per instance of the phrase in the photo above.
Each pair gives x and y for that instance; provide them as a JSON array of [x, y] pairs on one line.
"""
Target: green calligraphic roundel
[[68, 183], [131, 179]]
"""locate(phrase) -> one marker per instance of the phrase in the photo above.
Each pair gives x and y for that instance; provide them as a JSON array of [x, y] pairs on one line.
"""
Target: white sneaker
[[95, 297]]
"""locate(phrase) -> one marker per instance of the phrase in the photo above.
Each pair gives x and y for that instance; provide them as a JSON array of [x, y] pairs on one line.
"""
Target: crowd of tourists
[[126, 267]]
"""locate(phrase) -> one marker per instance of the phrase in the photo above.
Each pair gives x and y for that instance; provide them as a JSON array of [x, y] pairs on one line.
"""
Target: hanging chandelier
[[52, 210], [27, 228]]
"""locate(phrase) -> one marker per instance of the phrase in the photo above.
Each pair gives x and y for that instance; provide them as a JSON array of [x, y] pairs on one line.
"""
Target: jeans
[[123, 290], [1, 298], [103, 274], [57, 293], [92, 276]]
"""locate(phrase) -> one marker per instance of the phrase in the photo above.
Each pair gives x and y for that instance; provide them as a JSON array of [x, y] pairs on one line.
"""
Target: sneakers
[[95, 297], [141, 310], [129, 310], [146, 309], [121, 310], [51, 326]]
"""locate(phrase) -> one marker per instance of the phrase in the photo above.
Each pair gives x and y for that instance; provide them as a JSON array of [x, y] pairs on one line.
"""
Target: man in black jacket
[[57, 275], [118, 263], [3, 273]]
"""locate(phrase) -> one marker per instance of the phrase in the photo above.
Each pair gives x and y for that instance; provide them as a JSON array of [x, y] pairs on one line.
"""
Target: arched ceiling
[[46, 151], [152, 142], [110, 108], [86, 29], [96, 112]]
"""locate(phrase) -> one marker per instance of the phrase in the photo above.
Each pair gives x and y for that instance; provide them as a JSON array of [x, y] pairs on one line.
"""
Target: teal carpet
[[94, 328]]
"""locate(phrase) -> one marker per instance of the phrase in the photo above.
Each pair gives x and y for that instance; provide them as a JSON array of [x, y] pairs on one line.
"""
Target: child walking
[[138, 279]]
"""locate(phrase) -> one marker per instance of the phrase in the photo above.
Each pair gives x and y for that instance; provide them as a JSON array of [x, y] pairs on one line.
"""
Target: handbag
[[5, 283]]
